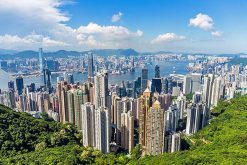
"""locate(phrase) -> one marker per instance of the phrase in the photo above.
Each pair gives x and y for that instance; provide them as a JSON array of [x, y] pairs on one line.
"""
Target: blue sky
[[207, 26]]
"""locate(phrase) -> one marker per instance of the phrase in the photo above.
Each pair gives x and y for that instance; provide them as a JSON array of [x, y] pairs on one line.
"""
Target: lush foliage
[[223, 141], [21, 133]]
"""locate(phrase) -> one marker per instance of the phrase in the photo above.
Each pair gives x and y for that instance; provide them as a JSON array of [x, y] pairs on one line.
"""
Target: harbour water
[[166, 68]]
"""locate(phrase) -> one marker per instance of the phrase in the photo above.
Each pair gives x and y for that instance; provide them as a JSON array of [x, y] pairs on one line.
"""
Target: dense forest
[[26, 140]]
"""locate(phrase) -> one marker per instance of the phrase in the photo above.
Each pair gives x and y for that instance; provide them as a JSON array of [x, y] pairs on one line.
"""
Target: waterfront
[[166, 68]]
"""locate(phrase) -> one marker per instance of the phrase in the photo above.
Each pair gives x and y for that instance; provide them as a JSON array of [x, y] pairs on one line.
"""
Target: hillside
[[223, 141], [22, 133]]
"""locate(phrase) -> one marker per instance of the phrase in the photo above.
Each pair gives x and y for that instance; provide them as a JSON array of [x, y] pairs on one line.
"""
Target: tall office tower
[[156, 85], [196, 81], [187, 85], [41, 63], [32, 101], [71, 107], [217, 91], [11, 99], [78, 101], [60, 78], [207, 89], [157, 71], [176, 142], [47, 80], [165, 85], [197, 98], [155, 130], [144, 79], [116, 110], [90, 67], [190, 120], [101, 90], [40, 102], [23, 103], [11, 85], [172, 117], [197, 117], [132, 62], [145, 102], [181, 105], [88, 124], [19, 85], [167, 142], [70, 79], [102, 129], [127, 131], [63, 109]]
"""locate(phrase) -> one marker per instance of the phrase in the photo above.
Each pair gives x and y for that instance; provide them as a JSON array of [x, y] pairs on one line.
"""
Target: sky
[[193, 26]]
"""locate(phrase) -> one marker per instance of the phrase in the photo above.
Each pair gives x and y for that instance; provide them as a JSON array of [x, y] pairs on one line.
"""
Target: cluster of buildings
[[116, 118]]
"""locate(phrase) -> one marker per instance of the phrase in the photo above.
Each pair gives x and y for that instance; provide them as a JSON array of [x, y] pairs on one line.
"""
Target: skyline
[[191, 26]]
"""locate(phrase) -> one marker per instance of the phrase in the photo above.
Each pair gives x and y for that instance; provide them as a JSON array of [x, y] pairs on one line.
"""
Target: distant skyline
[[209, 26]]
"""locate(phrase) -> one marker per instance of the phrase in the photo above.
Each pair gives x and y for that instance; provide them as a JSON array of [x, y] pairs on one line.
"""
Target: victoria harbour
[[166, 67]]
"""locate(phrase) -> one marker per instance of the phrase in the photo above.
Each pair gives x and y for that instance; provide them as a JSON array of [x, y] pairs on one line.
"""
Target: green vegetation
[[22, 133], [223, 141]]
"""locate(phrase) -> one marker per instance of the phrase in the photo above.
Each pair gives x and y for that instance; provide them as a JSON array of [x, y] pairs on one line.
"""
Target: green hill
[[223, 141]]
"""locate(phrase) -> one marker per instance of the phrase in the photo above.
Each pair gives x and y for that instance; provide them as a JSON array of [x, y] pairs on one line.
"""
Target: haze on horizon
[[182, 26]]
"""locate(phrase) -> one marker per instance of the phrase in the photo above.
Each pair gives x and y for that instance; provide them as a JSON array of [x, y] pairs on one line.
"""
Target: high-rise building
[[176, 142], [102, 129], [47, 80], [70, 79], [127, 131], [155, 130], [90, 67], [156, 85], [19, 85], [41, 63], [78, 101], [157, 71], [88, 124], [11, 85], [187, 84], [71, 107], [101, 98], [197, 117], [207, 89], [144, 79]]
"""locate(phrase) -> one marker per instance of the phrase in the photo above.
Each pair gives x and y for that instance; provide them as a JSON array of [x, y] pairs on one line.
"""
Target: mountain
[[6, 51], [107, 52], [21, 133], [25, 140], [65, 53]]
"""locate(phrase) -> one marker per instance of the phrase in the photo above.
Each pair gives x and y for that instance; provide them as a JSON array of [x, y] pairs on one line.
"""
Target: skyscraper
[[155, 130], [144, 79], [11, 85], [88, 124], [102, 129], [157, 71], [47, 80], [19, 85], [70, 79], [101, 89], [127, 131], [90, 67], [41, 63], [156, 85]]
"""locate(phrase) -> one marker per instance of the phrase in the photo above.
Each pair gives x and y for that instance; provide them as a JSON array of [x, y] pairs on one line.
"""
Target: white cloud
[[116, 17], [96, 35], [47, 20], [167, 37], [202, 21], [29, 42], [216, 33]]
